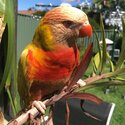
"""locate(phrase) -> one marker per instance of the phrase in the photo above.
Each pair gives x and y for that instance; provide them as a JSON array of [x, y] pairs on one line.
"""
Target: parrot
[[48, 62]]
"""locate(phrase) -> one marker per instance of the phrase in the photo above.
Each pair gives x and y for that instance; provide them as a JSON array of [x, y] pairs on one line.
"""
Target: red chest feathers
[[54, 65]]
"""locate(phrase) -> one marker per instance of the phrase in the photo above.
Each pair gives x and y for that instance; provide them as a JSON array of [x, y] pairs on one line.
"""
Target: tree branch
[[34, 112]]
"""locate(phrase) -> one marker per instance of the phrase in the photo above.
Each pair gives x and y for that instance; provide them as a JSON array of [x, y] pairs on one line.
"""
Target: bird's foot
[[38, 120], [40, 106]]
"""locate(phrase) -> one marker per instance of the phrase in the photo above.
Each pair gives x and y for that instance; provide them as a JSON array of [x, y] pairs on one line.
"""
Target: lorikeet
[[48, 62]]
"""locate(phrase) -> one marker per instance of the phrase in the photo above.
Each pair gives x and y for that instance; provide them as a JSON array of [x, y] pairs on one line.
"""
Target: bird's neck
[[49, 38]]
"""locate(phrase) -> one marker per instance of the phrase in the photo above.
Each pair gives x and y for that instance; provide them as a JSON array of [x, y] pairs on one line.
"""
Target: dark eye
[[68, 24]]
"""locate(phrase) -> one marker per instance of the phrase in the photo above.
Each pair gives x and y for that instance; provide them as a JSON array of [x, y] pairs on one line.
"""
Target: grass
[[114, 96]]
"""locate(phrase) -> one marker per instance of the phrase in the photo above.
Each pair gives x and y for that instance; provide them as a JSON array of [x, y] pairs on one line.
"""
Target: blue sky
[[25, 4]]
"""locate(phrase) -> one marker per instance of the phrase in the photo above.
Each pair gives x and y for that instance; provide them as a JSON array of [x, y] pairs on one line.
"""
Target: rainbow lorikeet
[[48, 62]]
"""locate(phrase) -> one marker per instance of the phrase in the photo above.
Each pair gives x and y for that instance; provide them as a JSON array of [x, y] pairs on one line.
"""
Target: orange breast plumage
[[53, 65]]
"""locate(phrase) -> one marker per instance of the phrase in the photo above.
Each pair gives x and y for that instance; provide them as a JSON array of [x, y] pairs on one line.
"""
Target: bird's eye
[[68, 24]]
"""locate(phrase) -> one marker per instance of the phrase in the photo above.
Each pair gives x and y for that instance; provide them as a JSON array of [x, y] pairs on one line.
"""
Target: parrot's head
[[64, 24]]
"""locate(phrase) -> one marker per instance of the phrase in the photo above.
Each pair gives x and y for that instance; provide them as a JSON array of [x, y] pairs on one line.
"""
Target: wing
[[23, 83], [27, 67]]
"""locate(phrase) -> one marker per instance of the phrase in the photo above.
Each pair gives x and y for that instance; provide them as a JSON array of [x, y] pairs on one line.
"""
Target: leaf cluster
[[8, 51]]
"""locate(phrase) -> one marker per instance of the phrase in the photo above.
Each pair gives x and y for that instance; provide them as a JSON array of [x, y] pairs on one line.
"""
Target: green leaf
[[11, 101], [112, 68], [98, 45], [97, 62], [100, 59], [2, 7], [117, 72], [98, 56], [104, 51], [122, 54], [123, 33], [10, 19], [120, 79]]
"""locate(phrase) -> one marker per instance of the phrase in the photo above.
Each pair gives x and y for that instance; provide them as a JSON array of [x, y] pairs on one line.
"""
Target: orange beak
[[86, 30]]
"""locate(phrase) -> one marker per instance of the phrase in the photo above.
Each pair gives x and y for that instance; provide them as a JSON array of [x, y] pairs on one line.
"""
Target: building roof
[[28, 12]]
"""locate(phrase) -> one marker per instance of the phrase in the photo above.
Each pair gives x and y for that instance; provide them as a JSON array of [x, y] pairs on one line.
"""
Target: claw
[[40, 106]]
